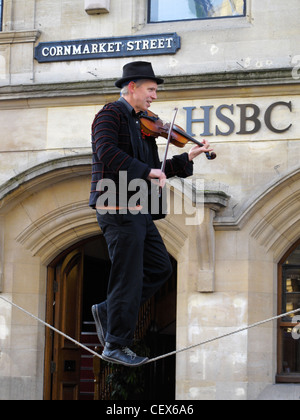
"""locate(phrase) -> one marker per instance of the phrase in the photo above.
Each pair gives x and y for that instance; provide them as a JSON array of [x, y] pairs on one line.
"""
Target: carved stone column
[[214, 201]]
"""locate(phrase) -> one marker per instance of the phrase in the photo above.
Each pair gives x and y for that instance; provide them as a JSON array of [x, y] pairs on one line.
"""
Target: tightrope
[[164, 356], [51, 327], [223, 336]]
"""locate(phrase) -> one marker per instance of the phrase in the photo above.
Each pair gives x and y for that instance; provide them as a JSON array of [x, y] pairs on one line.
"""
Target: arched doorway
[[77, 279]]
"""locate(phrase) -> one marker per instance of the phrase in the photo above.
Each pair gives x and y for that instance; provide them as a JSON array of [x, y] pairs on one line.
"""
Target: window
[[172, 10], [1, 7], [288, 335]]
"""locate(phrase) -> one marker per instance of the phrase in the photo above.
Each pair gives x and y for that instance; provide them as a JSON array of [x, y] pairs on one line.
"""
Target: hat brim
[[119, 83]]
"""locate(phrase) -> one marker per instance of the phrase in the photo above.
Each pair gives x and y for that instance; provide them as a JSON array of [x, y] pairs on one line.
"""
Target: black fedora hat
[[136, 71]]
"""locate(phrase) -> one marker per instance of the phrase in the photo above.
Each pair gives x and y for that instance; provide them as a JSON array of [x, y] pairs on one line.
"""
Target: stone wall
[[227, 262]]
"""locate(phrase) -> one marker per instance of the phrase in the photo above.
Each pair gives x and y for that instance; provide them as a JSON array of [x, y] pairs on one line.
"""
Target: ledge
[[19, 37], [95, 7], [270, 82], [216, 200], [207, 193], [245, 78]]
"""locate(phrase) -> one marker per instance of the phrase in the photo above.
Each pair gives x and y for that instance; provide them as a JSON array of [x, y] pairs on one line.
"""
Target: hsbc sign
[[241, 119]]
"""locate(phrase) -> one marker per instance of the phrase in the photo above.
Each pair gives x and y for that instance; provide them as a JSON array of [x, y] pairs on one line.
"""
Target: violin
[[152, 125]]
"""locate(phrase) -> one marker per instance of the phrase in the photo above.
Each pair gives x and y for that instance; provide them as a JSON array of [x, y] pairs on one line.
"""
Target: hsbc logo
[[249, 119]]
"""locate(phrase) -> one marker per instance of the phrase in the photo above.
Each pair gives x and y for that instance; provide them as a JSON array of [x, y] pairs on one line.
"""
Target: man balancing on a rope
[[140, 263]]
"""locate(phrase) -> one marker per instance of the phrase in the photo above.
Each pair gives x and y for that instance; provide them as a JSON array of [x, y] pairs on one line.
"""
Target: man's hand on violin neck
[[197, 150], [158, 176]]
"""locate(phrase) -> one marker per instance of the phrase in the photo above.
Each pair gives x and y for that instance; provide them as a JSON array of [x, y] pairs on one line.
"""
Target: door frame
[[50, 296]]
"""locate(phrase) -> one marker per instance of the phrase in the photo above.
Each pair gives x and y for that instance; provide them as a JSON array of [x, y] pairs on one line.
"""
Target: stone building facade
[[234, 76]]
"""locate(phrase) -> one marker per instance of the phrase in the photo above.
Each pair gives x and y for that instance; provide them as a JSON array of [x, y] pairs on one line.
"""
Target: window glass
[[291, 352], [1, 3], [291, 283], [170, 10], [289, 334]]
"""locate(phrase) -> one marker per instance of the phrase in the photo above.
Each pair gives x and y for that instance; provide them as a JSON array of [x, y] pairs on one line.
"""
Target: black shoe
[[122, 356], [100, 317]]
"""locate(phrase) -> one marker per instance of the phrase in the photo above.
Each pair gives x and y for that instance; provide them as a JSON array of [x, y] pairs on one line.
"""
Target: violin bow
[[163, 166]]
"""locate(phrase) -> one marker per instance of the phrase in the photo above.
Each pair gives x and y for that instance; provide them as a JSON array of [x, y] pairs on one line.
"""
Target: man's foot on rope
[[100, 316], [122, 356]]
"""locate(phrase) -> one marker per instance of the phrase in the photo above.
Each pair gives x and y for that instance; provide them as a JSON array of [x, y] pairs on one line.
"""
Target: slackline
[[164, 356]]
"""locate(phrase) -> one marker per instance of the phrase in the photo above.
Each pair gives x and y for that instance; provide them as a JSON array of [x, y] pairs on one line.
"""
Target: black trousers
[[140, 266]]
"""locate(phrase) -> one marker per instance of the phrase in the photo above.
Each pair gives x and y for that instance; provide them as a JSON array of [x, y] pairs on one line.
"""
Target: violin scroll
[[211, 155]]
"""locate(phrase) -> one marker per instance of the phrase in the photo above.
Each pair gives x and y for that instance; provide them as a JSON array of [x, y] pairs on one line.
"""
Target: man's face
[[143, 95]]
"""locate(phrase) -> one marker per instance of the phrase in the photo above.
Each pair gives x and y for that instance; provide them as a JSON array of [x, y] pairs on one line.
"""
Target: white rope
[[164, 356], [223, 336], [50, 326]]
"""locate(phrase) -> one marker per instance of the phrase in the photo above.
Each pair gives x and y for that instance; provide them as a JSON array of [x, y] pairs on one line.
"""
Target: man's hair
[[125, 91]]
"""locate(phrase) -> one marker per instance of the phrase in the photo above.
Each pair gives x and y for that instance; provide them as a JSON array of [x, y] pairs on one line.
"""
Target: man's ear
[[131, 87]]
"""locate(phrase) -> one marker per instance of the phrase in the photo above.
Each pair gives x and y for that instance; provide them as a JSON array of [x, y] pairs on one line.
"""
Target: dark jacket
[[116, 148]]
